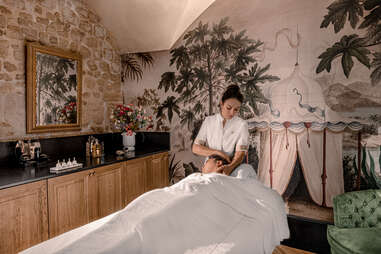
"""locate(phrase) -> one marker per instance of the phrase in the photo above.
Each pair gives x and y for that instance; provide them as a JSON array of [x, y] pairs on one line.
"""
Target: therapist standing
[[226, 135]]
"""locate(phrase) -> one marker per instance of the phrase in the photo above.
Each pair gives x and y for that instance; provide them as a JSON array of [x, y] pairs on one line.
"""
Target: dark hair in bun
[[234, 92]]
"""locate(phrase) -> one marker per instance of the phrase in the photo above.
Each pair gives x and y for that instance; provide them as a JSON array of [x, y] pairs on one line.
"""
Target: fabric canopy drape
[[283, 159], [309, 145]]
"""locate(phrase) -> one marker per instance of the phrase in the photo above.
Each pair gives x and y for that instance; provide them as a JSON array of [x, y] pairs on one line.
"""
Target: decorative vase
[[129, 141]]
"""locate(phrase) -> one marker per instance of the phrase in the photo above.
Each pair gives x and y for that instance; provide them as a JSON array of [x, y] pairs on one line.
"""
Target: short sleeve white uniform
[[232, 137]]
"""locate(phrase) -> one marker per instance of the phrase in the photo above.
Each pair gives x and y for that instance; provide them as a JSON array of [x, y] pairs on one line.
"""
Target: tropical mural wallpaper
[[337, 45]]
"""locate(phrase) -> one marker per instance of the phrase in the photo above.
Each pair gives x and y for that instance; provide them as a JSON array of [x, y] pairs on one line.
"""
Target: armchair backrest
[[358, 209]]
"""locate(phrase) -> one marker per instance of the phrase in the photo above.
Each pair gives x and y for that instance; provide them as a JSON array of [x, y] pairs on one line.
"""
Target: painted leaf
[[188, 169], [372, 18], [168, 80], [222, 28], [370, 4], [349, 46], [130, 68], [376, 69], [338, 12], [198, 34], [180, 56], [368, 178], [187, 118], [347, 63], [376, 180]]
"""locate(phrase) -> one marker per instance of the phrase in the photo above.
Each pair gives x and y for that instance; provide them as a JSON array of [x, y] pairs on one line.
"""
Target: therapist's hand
[[224, 169], [225, 156]]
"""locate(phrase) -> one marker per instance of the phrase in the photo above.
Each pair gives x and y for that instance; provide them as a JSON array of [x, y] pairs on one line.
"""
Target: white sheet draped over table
[[210, 213], [311, 159]]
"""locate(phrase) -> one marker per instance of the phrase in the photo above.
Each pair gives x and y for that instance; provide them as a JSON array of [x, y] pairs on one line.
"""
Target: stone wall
[[64, 24]]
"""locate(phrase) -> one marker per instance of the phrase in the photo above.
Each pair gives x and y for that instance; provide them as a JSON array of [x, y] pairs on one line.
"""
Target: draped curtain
[[309, 146]]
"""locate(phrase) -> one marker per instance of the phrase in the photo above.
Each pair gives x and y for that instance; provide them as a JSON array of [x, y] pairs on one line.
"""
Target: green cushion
[[354, 240], [358, 209]]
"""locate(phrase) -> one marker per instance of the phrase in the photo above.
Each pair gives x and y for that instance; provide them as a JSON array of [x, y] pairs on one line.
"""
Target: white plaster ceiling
[[147, 25]]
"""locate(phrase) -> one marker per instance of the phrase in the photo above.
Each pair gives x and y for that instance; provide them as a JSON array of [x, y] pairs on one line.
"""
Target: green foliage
[[351, 46], [173, 168], [190, 168], [370, 180], [338, 12], [376, 179], [376, 66], [133, 64], [349, 174], [211, 58], [348, 47], [170, 104]]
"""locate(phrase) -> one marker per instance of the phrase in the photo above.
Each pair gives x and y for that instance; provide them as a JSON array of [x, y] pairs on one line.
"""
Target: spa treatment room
[[190, 126]]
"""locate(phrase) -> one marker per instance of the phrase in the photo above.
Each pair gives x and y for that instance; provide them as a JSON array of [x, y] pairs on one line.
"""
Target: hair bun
[[232, 91], [233, 88]]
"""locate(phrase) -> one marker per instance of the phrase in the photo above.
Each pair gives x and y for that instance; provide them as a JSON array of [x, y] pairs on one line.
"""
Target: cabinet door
[[133, 179], [23, 217], [105, 194], [68, 202], [165, 170], [157, 171]]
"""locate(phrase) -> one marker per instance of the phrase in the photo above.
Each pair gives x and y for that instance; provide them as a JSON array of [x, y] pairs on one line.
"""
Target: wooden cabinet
[[32, 213], [144, 174], [23, 217], [105, 194], [68, 202], [134, 179], [157, 171], [82, 197]]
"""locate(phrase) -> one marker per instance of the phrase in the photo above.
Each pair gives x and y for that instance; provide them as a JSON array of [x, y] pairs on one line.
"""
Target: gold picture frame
[[54, 89]]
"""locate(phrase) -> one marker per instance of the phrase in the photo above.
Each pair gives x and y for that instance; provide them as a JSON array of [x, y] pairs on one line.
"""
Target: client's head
[[213, 163]]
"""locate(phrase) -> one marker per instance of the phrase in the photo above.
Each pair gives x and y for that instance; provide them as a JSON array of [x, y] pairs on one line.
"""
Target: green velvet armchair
[[357, 217]]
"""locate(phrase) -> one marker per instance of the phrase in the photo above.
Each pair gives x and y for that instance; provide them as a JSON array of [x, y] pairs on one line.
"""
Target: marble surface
[[13, 174]]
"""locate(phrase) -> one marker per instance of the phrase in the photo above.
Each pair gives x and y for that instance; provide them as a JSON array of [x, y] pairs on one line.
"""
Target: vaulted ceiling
[[147, 25]]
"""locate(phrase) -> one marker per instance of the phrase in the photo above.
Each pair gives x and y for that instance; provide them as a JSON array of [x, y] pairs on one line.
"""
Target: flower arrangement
[[68, 113], [129, 118]]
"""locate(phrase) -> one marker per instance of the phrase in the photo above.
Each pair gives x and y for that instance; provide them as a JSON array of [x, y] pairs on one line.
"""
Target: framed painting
[[54, 82]]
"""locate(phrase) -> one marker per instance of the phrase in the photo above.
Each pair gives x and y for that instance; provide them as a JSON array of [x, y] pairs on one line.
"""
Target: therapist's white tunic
[[234, 136]]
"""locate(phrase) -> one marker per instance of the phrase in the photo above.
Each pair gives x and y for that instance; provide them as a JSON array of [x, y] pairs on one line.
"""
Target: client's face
[[211, 166]]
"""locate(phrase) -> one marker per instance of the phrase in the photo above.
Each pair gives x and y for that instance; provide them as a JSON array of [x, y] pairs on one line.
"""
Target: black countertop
[[12, 174]]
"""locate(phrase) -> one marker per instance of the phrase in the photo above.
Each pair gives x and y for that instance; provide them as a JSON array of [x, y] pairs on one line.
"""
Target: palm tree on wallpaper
[[133, 65], [210, 59], [354, 46]]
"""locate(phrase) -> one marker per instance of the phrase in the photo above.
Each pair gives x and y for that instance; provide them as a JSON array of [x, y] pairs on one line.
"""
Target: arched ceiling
[[147, 25]]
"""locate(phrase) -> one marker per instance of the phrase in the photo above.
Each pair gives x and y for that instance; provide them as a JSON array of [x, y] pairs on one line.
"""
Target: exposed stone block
[[76, 34], [43, 38], [85, 52], [5, 76], [30, 34], [85, 26], [14, 32], [82, 12], [9, 67], [91, 42], [5, 10], [99, 31], [42, 21], [38, 9], [92, 65], [3, 21], [53, 40], [4, 48]]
